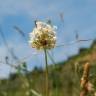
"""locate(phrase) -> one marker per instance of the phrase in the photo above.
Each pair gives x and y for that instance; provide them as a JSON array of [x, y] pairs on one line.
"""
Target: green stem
[[54, 65], [47, 81]]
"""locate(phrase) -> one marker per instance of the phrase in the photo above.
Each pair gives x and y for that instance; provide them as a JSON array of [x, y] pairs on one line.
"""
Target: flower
[[43, 36]]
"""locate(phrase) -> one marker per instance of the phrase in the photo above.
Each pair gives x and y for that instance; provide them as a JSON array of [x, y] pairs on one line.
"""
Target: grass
[[64, 79]]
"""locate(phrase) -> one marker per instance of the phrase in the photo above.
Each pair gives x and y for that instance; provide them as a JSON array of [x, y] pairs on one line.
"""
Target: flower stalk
[[47, 81]]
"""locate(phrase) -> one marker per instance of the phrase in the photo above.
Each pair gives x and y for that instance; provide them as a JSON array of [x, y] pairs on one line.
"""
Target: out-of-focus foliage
[[64, 77]]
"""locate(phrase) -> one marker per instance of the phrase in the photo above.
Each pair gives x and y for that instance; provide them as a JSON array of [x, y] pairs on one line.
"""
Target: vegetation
[[64, 77]]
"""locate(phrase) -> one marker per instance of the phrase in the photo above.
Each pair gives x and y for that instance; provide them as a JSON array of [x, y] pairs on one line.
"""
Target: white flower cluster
[[43, 36]]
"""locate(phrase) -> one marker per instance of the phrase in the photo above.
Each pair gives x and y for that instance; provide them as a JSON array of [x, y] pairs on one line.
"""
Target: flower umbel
[[43, 36]]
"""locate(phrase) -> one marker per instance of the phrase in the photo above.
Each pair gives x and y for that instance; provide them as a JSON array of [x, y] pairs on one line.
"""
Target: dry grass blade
[[76, 35], [11, 65], [35, 93], [11, 52], [19, 30], [18, 62], [73, 42], [61, 16], [84, 80], [51, 58]]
